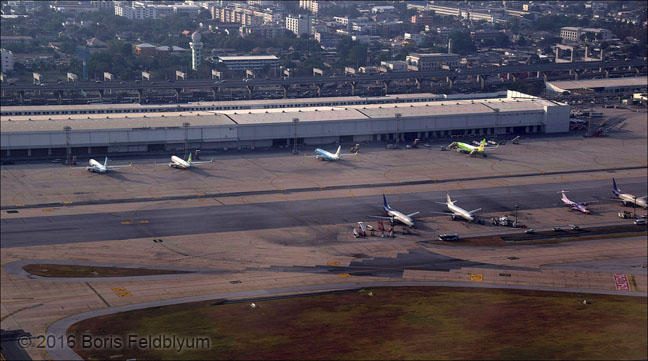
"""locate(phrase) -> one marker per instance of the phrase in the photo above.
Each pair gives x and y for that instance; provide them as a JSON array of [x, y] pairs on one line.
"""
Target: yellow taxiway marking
[[243, 200], [344, 275], [322, 187], [48, 210], [333, 263], [121, 292], [67, 202], [476, 277], [134, 222], [633, 284], [352, 194], [20, 204]]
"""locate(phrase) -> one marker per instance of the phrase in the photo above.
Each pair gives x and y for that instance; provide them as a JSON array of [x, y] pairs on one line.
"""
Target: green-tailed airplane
[[472, 150]]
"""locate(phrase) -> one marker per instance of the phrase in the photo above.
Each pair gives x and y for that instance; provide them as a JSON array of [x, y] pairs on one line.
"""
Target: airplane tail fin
[[616, 189], [448, 198], [481, 145], [106, 162], [338, 151], [189, 159], [386, 205]]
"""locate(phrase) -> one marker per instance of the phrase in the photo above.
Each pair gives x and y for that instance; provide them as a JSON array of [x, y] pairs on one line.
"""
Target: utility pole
[[295, 121], [516, 208], [68, 150], [634, 207]]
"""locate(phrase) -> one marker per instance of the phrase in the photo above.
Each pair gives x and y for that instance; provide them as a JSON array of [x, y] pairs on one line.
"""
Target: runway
[[20, 232]]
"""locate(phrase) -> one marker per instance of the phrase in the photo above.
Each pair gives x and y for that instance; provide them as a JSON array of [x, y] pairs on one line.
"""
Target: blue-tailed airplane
[[321, 154], [396, 215], [97, 167], [628, 198]]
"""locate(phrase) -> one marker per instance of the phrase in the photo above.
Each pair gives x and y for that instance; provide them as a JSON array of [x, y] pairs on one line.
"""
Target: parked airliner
[[575, 206], [628, 198], [180, 163], [396, 215], [456, 211], [96, 167], [470, 149], [322, 154]]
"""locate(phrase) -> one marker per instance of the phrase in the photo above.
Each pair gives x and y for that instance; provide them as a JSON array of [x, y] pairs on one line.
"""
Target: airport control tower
[[196, 47]]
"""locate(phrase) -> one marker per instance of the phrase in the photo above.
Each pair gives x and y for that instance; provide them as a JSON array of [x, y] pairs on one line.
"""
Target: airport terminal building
[[272, 123]]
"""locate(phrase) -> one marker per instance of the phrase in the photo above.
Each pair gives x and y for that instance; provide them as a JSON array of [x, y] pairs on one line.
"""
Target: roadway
[[313, 80], [159, 223]]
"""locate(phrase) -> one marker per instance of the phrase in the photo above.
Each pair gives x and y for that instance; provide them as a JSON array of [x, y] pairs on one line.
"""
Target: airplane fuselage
[[178, 163], [324, 155], [628, 198], [576, 206], [96, 167], [460, 212], [401, 217]]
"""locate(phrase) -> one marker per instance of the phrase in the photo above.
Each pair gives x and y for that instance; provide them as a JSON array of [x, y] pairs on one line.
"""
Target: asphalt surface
[[32, 231], [307, 189]]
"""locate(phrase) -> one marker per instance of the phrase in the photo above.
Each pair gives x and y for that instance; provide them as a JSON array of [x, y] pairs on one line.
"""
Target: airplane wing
[[119, 166], [382, 217], [474, 210], [202, 162], [413, 214]]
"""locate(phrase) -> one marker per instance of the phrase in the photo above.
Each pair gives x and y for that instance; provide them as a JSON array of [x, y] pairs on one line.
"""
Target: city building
[[313, 6], [433, 61], [299, 25], [326, 39], [145, 49], [136, 11], [7, 60], [572, 33], [395, 65], [252, 62], [238, 15], [196, 50], [423, 20], [265, 31], [15, 39]]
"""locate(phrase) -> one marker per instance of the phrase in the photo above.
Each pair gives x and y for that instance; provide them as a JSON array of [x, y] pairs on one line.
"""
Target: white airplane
[[576, 206], [396, 215], [456, 211], [180, 163], [628, 198], [96, 167], [321, 154]]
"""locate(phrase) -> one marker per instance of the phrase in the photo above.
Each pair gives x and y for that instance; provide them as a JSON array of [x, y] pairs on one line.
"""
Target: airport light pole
[[295, 121], [68, 151], [516, 208], [186, 138], [634, 207]]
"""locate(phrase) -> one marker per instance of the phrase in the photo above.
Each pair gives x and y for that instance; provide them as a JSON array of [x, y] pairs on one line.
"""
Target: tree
[[462, 43], [501, 41], [522, 41]]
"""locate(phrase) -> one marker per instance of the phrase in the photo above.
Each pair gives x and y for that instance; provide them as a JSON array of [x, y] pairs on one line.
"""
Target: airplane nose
[[587, 211]]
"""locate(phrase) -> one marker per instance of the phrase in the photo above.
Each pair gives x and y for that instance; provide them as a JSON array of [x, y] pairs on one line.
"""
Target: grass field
[[392, 323], [58, 270], [549, 237]]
